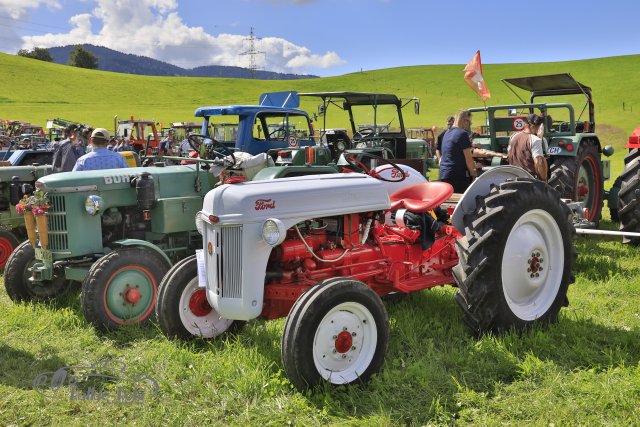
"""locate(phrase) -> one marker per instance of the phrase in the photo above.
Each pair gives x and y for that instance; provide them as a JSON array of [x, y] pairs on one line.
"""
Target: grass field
[[584, 370]]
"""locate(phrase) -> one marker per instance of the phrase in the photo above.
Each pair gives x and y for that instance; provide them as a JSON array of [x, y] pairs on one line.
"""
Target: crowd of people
[[455, 150]]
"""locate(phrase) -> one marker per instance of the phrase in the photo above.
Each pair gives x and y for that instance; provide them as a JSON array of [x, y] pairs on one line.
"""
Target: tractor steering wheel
[[364, 133], [358, 165], [212, 151]]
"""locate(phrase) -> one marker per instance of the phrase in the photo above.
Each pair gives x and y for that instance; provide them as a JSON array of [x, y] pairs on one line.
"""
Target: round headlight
[[273, 232], [200, 223], [93, 205]]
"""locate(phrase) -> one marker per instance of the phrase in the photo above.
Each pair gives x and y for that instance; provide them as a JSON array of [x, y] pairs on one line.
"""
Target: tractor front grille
[[57, 219], [226, 274]]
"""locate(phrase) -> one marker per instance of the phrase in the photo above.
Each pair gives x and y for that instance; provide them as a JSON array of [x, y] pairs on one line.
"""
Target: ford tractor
[[118, 231], [576, 166], [323, 250]]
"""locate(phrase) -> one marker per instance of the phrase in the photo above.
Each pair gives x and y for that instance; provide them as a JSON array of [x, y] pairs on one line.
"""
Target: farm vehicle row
[[127, 235]]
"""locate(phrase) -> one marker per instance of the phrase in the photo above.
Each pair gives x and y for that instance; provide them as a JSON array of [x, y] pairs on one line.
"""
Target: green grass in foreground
[[584, 370]]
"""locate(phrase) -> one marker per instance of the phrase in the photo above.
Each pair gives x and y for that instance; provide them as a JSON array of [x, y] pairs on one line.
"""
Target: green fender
[[143, 243]]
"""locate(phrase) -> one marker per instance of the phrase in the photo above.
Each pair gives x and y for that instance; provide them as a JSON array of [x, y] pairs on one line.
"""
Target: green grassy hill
[[34, 91]]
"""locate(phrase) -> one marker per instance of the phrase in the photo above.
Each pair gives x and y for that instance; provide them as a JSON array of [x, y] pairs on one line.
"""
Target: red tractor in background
[[624, 198], [140, 133]]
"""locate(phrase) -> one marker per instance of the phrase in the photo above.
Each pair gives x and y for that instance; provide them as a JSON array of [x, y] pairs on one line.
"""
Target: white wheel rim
[[333, 364], [208, 326], [532, 264]]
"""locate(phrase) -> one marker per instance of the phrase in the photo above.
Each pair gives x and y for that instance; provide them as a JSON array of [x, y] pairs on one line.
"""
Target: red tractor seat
[[422, 197]]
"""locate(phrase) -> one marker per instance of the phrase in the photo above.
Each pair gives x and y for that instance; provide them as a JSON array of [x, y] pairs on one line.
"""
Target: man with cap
[[100, 157], [526, 149], [439, 143]]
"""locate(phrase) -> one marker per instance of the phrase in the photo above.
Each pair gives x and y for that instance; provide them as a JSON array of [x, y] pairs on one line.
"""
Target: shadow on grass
[[14, 363], [432, 357]]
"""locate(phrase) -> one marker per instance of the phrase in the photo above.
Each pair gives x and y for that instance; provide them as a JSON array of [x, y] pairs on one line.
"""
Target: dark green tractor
[[576, 167]]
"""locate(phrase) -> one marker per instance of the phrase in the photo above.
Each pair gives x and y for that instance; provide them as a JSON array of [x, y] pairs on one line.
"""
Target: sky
[[328, 37]]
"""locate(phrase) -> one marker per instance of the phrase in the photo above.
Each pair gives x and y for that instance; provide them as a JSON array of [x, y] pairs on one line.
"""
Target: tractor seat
[[422, 197]]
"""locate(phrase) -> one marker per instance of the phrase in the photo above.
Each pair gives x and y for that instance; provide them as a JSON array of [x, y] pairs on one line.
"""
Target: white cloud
[[13, 14], [160, 33]]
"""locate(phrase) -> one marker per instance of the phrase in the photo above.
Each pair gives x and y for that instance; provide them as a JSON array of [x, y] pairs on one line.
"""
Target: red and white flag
[[473, 77]]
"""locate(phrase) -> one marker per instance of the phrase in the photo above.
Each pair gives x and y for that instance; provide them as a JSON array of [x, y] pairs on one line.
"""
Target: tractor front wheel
[[515, 258], [629, 200], [580, 178], [121, 287], [8, 243], [17, 274], [183, 310], [338, 332]]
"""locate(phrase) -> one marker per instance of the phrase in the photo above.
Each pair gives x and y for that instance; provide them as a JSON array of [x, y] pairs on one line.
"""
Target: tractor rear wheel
[[183, 310], [614, 198], [121, 287], [580, 178], [629, 201], [17, 275], [515, 258], [8, 243], [338, 332]]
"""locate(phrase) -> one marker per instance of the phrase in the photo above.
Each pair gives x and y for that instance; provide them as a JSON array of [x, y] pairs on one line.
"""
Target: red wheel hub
[[198, 303], [343, 342], [132, 295], [583, 190]]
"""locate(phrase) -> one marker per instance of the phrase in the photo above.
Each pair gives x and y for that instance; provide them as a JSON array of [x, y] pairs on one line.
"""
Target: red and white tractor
[[324, 249]]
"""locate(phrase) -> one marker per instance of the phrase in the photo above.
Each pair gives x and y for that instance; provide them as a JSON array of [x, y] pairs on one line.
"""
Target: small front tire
[[337, 331]]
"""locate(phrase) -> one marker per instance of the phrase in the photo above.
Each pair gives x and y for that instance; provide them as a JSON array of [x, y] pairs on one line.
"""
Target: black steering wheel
[[397, 173], [212, 151], [364, 133]]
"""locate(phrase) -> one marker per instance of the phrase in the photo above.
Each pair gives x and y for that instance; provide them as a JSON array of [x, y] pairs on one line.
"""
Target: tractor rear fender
[[481, 187], [559, 146], [145, 244]]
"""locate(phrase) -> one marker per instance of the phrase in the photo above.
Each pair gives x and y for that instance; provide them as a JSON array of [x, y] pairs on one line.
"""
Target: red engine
[[404, 254]]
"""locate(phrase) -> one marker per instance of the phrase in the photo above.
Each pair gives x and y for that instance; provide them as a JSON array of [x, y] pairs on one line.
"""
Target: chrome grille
[[227, 260], [57, 214]]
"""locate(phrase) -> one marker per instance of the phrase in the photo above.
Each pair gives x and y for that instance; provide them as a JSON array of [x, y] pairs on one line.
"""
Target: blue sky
[[329, 37]]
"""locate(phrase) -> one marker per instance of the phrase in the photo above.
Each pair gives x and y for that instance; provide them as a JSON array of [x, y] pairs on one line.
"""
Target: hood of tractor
[[305, 196], [24, 173], [170, 181]]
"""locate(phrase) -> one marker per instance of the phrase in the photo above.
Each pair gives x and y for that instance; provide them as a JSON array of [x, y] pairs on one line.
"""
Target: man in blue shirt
[[100, 157], [456, 164]]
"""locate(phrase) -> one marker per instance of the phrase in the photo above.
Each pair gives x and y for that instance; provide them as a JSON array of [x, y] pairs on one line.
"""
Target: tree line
[[79, 57]]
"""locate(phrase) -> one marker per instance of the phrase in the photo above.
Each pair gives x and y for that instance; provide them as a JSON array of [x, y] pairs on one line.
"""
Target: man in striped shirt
[[101, 157]]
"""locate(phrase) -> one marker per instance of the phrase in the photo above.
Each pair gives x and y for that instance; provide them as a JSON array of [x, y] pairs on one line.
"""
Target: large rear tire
[[17, 275], [338, 332], [121, 287], [629, 200], [182, 308], [580, 178], [515, 258]]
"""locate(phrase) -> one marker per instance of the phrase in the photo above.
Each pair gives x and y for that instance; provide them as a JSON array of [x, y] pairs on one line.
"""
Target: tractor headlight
[[93, 205], [273, 232], [200, 223]]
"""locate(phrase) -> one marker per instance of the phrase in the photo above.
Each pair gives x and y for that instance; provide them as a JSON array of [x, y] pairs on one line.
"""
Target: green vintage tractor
[[574, 150]]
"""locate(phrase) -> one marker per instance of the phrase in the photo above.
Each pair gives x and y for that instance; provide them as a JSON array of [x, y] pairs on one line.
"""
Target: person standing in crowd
[[456, 164], [526, 149], [166, 145], [100, 157], [439, 142], [68, 152]]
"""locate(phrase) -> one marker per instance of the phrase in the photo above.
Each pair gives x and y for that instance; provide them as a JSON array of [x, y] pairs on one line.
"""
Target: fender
[[143, 243]]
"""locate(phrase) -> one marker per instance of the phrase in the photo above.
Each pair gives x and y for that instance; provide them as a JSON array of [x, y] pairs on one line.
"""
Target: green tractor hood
[[23, 173], [169, 181]]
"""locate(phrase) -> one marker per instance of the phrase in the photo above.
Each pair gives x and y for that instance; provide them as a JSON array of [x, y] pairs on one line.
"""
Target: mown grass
[[583, 370]]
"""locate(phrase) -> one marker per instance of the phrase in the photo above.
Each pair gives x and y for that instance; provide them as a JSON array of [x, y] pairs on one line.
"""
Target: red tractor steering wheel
[[357, 164]]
